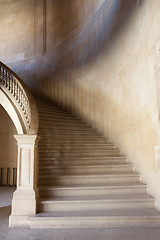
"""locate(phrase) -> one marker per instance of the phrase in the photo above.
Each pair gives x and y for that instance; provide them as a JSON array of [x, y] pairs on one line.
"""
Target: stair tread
[[89, 166], [93, 175], [83, 158], [144, 212], [100, 198], [77, 150], [74, 144], [110, 186]]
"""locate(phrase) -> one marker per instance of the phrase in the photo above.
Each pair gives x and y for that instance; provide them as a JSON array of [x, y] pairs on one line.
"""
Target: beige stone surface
[[8, 146], [25, 197], [116, 88], [118, 91], [7, 233]]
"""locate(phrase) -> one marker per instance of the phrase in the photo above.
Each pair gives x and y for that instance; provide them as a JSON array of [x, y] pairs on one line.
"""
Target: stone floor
[[66, 234]]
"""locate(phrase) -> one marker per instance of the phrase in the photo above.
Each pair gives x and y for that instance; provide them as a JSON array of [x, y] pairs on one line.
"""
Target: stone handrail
[[21, 98]]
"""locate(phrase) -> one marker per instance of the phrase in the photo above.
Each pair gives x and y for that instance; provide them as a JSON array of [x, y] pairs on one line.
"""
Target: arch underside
[[9, 107]]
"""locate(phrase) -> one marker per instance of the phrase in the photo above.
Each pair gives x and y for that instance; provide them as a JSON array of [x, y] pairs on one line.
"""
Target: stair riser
[[93, 222], [73, 138], [67, 128], [60, 118], [56, 122], [86, 181], [71, 147], [42, 107], [78, 162], [89, 192], [55, 140], [85, 171], [78, 154], [64, 126], [77, 206], [69, 132], [52, 111]]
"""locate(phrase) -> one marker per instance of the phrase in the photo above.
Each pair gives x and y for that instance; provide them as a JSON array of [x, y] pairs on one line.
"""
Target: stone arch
[[11, 110]]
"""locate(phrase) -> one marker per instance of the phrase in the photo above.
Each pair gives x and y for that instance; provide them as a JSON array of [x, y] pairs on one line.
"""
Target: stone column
[[25, 197]]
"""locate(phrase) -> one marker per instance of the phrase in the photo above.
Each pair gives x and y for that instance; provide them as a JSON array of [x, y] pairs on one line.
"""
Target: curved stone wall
[[44, 39]]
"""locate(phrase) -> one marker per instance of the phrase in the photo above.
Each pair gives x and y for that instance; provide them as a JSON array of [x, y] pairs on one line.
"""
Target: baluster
[[13, 87], [17, 94], [3, 79], [20, 96], [11, 83], [18, 90], [22, 101], [7, 80], [24, 105]]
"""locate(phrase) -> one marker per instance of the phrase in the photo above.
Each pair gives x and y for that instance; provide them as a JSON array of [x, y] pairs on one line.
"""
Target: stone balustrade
[[17, 100], [19, 94]]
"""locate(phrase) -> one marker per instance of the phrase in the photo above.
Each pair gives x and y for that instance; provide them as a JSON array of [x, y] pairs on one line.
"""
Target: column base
[[18, 221], [24, 204]]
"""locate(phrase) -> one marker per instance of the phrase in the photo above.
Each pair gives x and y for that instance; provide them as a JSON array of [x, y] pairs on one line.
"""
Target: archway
[[9, 108], [8, 150]]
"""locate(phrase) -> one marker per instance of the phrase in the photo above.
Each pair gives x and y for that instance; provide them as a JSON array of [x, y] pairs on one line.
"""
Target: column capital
[[27, 139]]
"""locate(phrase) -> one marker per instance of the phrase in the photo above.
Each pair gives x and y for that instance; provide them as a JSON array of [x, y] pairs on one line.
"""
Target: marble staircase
[[84, 179]]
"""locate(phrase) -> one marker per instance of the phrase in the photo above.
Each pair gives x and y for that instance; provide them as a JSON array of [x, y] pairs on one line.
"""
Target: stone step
[[51, 192], [91, 169], [65, 125], [92, 180], [49, 146], [69, 131], [68, 128], [47, 108], [141, 217], [81, 161], [50, 110], [56, 118], [72, 137], [63, 140], [114, 201], [77, 153]]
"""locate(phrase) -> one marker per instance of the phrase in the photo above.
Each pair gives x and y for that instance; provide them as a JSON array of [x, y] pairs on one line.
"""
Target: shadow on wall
[[80, 46], [113, 23], [97, 36], [74, 37]]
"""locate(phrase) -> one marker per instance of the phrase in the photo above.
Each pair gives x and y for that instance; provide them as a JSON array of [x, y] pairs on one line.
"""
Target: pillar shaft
[[25, 197]]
